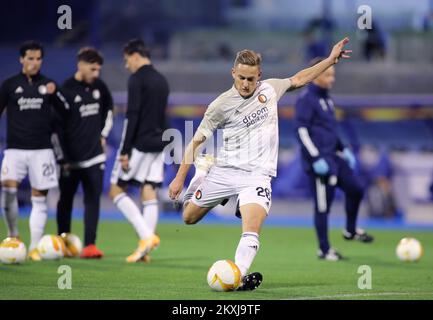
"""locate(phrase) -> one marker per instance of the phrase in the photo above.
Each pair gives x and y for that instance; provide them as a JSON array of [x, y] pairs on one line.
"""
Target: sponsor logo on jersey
[[19, 90], [96, 94], [257, 116], [198, 194], [77, 99], [30, 103], [89, 109], [262, 98]]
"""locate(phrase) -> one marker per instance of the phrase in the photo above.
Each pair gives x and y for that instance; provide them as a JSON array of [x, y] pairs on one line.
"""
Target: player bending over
[[247, 114]]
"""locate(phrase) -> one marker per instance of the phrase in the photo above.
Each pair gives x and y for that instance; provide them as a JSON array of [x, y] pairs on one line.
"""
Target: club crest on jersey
[[262, 98], [198, 194], [42, 89], [96, 94]]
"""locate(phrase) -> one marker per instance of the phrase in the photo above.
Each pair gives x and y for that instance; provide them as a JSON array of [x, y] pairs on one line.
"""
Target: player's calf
[[9, 206], [193, 213]]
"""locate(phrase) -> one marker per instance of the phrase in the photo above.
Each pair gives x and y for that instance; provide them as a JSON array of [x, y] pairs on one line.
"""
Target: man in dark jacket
[[140, 159], [83, 130], [328, 163]]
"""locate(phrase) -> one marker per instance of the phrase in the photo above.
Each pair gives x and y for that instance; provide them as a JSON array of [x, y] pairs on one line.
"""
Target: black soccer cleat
[[251, 282], [331, 255], [359, 235]]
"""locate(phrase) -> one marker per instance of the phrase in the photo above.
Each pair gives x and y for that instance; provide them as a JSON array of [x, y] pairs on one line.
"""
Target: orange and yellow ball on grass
[[224, 275], [51, 247], [73, 244], [12, 251]]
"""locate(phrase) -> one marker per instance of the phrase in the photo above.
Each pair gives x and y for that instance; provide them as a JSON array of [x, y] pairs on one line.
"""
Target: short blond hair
[[248, 57]]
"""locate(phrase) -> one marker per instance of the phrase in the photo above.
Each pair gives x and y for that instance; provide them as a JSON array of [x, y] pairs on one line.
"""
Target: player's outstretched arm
[[307, 75], [176, 186]]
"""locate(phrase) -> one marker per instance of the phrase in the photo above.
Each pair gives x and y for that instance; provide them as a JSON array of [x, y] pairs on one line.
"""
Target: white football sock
[[246, 251], [37, 221], [194, 183], [9, 206], [133, 214], [150, 213]]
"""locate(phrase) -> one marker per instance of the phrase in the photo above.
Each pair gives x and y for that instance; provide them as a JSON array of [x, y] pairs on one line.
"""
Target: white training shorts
[[144, 167], [40, 165], [223, 183]]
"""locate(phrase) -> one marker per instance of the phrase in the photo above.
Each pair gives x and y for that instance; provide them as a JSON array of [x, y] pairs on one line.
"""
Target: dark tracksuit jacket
[[80, 128], [316, 131]]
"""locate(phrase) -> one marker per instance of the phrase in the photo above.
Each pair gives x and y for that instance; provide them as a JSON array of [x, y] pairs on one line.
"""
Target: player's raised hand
[[338, 51], [175, 188]]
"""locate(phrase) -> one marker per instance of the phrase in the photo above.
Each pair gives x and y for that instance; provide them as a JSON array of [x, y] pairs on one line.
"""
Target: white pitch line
[[353, 295]]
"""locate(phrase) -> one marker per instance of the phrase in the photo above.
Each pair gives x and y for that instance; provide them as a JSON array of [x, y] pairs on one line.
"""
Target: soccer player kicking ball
[[328, 163], [140, 157], [29, 98], [247, 161]]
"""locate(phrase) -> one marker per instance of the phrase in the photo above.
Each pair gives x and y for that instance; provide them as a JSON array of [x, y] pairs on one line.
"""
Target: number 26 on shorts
[[264, 192]]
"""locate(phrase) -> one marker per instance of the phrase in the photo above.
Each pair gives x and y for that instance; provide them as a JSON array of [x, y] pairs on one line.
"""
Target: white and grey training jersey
[[249, 127]]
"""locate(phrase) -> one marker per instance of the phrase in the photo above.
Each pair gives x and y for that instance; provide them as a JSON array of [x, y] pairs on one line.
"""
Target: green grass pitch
[[287, 260]]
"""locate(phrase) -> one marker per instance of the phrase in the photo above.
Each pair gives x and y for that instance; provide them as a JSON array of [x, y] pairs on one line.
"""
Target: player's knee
[[114, 192], [149, 192], [111, 195], [189, 219], [10, 184], [39, 193]]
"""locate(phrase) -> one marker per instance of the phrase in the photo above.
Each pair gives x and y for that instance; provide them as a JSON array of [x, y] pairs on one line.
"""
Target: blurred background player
[[247, 162], [140, 159], [83, 130], [328, 163], [28, 97]]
